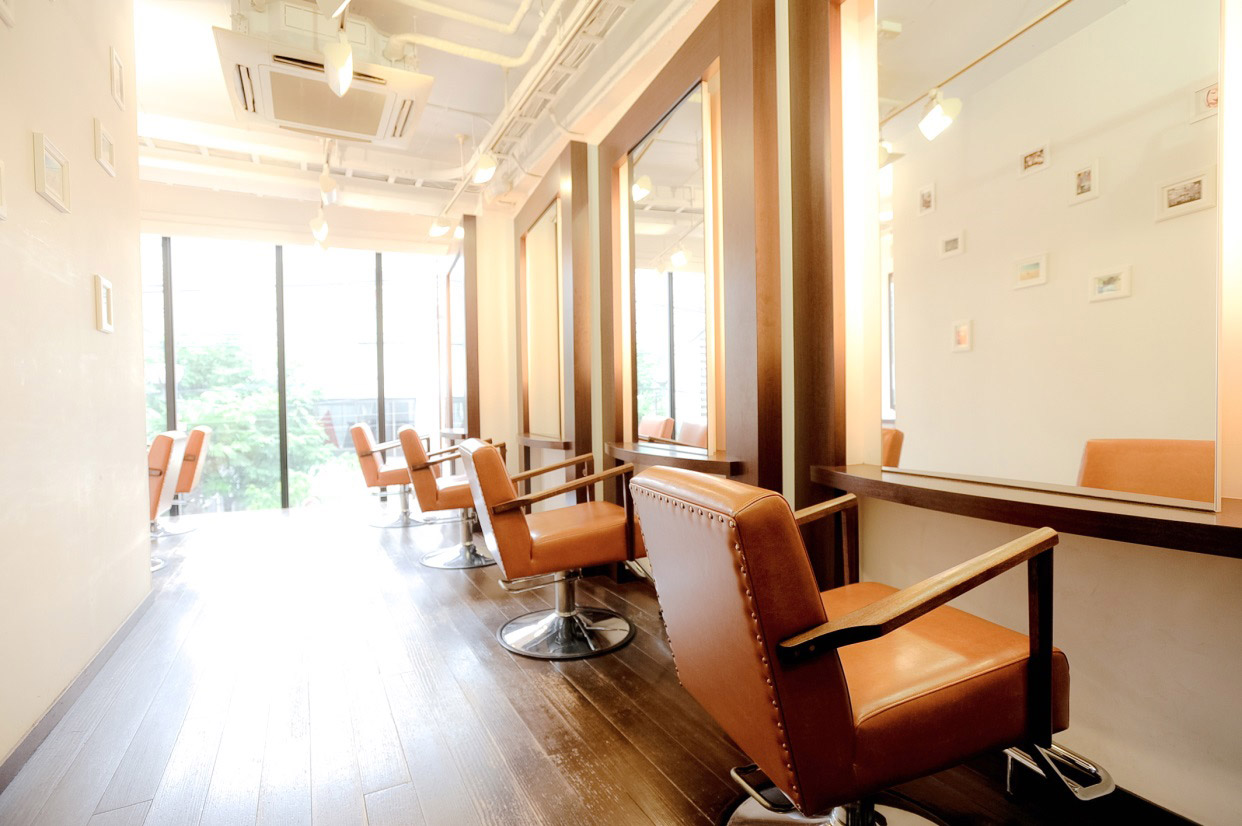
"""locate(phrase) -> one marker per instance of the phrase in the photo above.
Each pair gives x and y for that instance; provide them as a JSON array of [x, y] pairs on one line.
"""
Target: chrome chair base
[[751, 813], [160, 530], [456, 557], [157, 563], [549, 635]]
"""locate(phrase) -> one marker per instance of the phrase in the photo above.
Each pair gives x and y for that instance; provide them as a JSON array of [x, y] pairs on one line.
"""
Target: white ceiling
[[670, 218]]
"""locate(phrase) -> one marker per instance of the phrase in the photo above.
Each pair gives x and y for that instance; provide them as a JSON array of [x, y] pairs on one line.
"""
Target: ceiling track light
[[338, 62], [939, 114], [460, 232], [319, 227], [485, 168], [439, 228], [332, 9], [887, 155], [641, 188], [679, 259]]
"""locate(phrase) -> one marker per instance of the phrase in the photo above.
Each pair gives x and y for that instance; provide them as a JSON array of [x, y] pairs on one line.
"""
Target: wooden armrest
[[585, 458], [568, 487], [817, 512], [431, 462], [895, 610], [660, 440], [441, 452], [380, 448]]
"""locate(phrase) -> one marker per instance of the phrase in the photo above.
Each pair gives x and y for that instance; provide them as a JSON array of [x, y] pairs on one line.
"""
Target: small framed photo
[[1207, 102], [105, 149], [954, 244], [118, 78], [1085, 183], [51, 169], [1108, 285], [4, 209], [963, 336], [927, 199], [1036, 159], [1030, 271], [1185, 195], [6, 12], [105, 319]]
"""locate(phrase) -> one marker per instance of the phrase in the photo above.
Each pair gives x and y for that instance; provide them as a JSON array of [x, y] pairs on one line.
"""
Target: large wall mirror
[[674, 284], [1050, 241], [543, 321]]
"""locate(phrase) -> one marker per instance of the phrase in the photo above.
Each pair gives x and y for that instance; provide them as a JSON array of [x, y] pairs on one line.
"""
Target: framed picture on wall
[[105, 149], [1207, 102], [1111, 284], [954, 244], [117, 76], [1084, 183], [1036, 159], [6, 12], [51, 170], [927, 199], [963, 336], [1184, 195], [105, 317], [1030, 271]]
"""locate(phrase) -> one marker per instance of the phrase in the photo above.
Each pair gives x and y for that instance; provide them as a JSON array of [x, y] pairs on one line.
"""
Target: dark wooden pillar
[[470, 261]]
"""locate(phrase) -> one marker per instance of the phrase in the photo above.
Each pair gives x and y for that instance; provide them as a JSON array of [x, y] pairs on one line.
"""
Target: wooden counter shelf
[[672, 455], [1152, 521], [534, 440]]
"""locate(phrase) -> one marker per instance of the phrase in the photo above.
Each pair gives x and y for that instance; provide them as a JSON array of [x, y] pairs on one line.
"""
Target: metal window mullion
[[381, 421], [281, 397], [672, 357], [170, 351]]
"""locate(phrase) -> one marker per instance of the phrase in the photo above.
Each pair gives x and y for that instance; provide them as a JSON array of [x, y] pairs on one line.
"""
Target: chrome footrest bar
[[1051, 759], [766, 795]]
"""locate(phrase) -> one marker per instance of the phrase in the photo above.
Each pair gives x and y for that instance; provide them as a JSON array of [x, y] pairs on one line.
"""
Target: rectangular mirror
[[1049, 242], [544, 390]]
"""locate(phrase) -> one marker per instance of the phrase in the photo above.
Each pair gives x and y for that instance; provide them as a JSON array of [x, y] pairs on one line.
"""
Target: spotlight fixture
[[338, 59], [439, 228], [485, 168], [319, 226], [939, 113], [329, 190], [332, 9], [322, 246], [679, 258], [887, 155], [460, 232], [641, 188]]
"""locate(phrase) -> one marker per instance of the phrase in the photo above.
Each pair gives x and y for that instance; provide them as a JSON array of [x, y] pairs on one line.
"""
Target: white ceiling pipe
[[396, 44], [472, 19]]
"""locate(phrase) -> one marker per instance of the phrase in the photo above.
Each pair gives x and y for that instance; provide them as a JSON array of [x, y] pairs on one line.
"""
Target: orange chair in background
[[164, 458], [891, 440], [440, 493], [1176, 468], [655, 427], [693, 433], [379, 472], [551, 548], [191, 465]]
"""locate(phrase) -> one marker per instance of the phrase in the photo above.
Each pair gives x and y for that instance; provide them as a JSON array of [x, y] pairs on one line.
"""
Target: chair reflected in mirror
[[693, 434], [891, 440], [655, 427], [1174, 468]]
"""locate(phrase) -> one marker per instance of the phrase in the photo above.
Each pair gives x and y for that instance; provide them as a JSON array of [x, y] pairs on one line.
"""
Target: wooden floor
[[303, 668]]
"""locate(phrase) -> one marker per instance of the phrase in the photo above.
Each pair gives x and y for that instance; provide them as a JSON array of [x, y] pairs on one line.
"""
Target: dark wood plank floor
[[302, 668]]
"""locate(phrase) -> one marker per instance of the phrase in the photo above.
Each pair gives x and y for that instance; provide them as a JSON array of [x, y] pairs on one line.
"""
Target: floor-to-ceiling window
[[356, 332]]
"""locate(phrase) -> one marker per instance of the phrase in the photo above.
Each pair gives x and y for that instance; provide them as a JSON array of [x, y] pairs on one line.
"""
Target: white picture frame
[[1084, 183], [927, 199], [116, 77], [963, 336], [1190, 193], [6, 13], [105, 148], [951, 245], [51, 172], [1030, 272], [1207, 102], [105, 305], [4, 208], [1036, 159], [1109, 285]]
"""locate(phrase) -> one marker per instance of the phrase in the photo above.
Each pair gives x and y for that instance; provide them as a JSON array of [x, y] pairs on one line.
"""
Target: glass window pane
[[224, 327], [155, 370], [330, 363], [412, 342], [457, 340], [651, 340]]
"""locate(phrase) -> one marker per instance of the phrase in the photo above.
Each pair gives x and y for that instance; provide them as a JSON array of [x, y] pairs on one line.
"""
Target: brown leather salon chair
[[381, 472], [441, 493], [891, 440], [656, 427], [1177, 468], [191, 465], [164, 457], [551, 548], [837, 695], [693, 433]]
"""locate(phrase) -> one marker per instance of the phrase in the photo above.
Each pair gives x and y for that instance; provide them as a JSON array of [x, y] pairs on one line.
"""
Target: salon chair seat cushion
[[910, 686], [453, 492], [577, 536], [393, 472]]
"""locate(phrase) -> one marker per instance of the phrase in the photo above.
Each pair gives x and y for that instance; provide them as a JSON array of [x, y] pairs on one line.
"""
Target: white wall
[[1050, 370], [1152, 641], [74, 552], [498, 389]]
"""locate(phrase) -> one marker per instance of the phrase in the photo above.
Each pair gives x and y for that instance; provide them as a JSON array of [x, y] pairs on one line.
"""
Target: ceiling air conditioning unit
[[273, 67]]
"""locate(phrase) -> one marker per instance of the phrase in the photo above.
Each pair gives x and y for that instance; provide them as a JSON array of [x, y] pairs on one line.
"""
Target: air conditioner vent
[[315, 66]]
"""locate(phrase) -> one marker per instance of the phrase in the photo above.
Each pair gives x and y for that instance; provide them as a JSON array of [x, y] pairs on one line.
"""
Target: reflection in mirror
[[1049, 240], [544, 389], [671, 283]]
